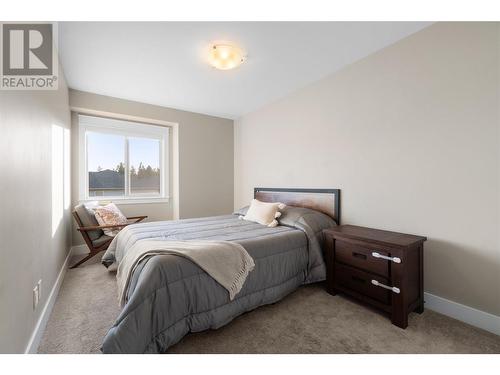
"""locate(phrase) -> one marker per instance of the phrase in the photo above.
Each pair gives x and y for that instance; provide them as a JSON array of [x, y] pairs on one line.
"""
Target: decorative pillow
[[110, 215], [264, 213]]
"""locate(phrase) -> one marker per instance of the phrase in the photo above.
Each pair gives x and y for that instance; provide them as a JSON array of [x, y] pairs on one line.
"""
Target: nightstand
[[383, 269]]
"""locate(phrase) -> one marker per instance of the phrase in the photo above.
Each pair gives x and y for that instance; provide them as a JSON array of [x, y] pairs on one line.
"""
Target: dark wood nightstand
[[381, 268]]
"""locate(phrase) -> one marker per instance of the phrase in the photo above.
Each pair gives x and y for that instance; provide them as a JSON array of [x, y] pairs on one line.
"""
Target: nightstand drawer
[[361, 257], [361, 282]]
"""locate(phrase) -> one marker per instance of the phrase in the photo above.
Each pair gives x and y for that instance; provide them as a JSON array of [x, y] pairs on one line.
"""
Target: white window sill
[[121, 201]]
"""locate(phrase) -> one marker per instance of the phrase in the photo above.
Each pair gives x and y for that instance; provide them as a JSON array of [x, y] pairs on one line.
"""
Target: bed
[[169, 296]]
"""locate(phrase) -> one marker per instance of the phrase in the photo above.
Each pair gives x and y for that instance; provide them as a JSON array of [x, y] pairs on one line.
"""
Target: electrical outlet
[[39, 284], [37, 293], [36, 296]]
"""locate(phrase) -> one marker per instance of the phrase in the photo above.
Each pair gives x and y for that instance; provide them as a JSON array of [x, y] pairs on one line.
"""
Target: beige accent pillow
[[110, 215], [264, 213]]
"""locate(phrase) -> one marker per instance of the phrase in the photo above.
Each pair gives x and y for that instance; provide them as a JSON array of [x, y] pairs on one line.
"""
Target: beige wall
[[35, 222], [411, 136], [202, 153]]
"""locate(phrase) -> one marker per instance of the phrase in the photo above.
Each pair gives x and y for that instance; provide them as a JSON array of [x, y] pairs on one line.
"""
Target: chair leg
[[91, 255]]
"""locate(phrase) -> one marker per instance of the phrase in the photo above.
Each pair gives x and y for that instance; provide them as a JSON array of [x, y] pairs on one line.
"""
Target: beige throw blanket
[[227, 262]]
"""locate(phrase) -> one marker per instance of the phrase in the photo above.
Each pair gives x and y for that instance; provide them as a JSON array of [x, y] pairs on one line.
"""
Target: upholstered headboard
[[326, 201]]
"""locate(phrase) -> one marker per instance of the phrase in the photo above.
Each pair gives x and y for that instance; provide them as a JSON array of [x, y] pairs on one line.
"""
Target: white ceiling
[[163, 63]]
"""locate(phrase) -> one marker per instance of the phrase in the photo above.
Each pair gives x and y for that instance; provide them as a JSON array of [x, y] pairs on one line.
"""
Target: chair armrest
[[96, 227], [137, 218]]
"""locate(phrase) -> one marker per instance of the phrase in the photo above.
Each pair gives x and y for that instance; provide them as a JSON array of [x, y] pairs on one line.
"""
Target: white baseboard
[[466, 314], [39, 329]]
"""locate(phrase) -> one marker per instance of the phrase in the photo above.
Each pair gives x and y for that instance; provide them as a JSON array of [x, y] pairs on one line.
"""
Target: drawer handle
[[378, 255], [359, 255], [392, 288]]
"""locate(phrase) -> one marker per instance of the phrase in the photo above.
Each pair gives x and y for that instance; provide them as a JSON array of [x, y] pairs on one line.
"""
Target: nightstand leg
[[400, 318], [420, 309], [331, 291], [401, 322], [330, 268]]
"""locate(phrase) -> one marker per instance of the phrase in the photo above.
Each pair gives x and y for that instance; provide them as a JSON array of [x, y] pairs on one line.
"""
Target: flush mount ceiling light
[[225, 56]]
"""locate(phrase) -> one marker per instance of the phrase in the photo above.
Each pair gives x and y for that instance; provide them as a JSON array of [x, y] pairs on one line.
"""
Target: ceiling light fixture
[[225, 56]]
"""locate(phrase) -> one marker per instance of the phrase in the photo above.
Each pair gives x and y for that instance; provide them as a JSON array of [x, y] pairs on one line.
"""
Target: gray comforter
[[169, 296]]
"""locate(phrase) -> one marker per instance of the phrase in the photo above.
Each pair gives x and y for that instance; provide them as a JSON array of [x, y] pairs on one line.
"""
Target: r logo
[[27, 49]]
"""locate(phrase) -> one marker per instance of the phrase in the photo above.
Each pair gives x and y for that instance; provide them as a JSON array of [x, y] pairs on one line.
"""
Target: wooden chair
[[92, 232]]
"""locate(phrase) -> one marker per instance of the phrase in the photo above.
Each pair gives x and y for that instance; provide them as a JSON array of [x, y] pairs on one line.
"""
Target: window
[[122, 160]]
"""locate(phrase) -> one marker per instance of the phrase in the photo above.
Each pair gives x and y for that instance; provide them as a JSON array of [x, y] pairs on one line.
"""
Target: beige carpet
[[307, 321]]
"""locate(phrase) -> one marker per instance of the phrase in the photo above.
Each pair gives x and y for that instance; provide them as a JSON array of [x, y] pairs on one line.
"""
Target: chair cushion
[[88, 220], [98, 242]]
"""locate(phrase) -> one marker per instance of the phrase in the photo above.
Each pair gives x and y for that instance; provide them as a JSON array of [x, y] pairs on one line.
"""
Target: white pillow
[[264, 213]]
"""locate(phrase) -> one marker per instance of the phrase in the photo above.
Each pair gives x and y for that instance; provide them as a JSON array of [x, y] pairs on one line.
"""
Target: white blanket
[[227, 262]]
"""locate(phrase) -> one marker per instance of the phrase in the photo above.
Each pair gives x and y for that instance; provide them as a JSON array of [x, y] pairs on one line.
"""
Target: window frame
[[127, 129]]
